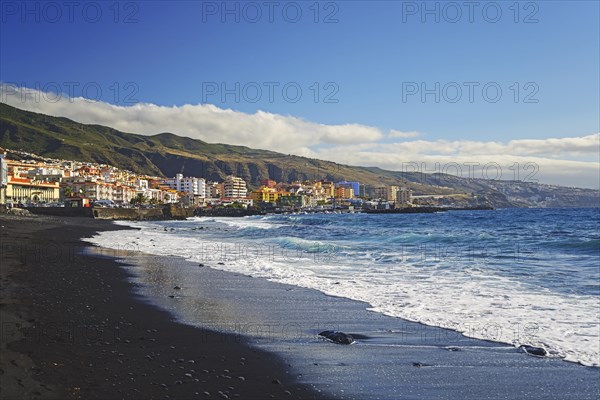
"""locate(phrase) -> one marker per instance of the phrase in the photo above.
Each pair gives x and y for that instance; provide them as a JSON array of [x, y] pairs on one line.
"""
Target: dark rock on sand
[[337, 337], [536, 351], [419, 365]]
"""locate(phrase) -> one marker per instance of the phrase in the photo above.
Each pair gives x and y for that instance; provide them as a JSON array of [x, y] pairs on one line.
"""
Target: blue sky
[[174, 52]]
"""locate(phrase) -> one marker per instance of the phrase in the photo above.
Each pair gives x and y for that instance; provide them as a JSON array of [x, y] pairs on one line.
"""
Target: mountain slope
[[167, 154]]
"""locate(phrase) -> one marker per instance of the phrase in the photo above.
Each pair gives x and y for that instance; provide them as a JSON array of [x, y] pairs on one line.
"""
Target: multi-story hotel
[[190, 185], [234, 187]]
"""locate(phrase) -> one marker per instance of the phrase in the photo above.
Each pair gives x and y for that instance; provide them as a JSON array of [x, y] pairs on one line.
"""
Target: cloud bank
[[564, 161]]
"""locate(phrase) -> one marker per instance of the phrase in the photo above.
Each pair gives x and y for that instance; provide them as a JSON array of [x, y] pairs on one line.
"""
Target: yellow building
[[28, 191], [267, 194], [328, 189]]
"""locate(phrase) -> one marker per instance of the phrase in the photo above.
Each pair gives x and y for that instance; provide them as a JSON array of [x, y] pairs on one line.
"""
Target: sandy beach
[[71, 329], [99, 324]]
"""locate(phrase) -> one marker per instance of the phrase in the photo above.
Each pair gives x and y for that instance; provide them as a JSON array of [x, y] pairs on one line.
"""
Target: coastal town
[[28, 180]]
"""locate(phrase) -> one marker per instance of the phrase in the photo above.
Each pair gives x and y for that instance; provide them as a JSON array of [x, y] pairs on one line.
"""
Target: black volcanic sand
[[72, 329]]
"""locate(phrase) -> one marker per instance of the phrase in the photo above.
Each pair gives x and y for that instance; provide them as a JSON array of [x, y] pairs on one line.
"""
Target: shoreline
[[113, 333], [87, 335], [391, 359]]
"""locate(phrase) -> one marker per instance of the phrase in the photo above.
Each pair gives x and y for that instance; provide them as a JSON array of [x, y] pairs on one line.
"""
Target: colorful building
[[344, 192], [355, 186], [265, 194], [23, 190]]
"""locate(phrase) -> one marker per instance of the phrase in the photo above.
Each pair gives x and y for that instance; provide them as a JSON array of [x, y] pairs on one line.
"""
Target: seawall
[[134, 214]]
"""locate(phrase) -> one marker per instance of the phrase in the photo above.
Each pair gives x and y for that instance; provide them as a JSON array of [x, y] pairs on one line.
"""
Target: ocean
[[513, 276]]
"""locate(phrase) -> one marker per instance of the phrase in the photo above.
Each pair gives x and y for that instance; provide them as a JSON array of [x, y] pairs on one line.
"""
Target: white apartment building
[[190, 185], [234, 187]]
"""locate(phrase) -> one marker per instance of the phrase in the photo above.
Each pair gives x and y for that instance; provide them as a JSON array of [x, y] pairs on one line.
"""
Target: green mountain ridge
[[167, 154]]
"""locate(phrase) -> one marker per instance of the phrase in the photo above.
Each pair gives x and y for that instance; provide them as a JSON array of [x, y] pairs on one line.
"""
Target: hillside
[[166, 154]]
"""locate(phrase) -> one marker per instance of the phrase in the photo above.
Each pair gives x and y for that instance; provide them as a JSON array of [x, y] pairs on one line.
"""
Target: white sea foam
[[472, 302], [239, 222]]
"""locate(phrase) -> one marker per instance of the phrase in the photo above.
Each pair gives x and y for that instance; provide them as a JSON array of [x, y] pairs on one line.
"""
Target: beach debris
[[177, 288], [337, 337], [535, 351]]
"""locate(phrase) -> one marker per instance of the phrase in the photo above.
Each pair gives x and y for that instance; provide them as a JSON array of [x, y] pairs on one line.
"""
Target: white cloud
[[399, 134], [207, 122], [560, 160]]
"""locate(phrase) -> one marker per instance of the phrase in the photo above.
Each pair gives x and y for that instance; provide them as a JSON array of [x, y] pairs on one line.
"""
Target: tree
[[139, 199]]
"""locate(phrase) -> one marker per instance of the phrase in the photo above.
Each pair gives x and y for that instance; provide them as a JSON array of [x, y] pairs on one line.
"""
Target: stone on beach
[[337, 337], [536, 351]]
